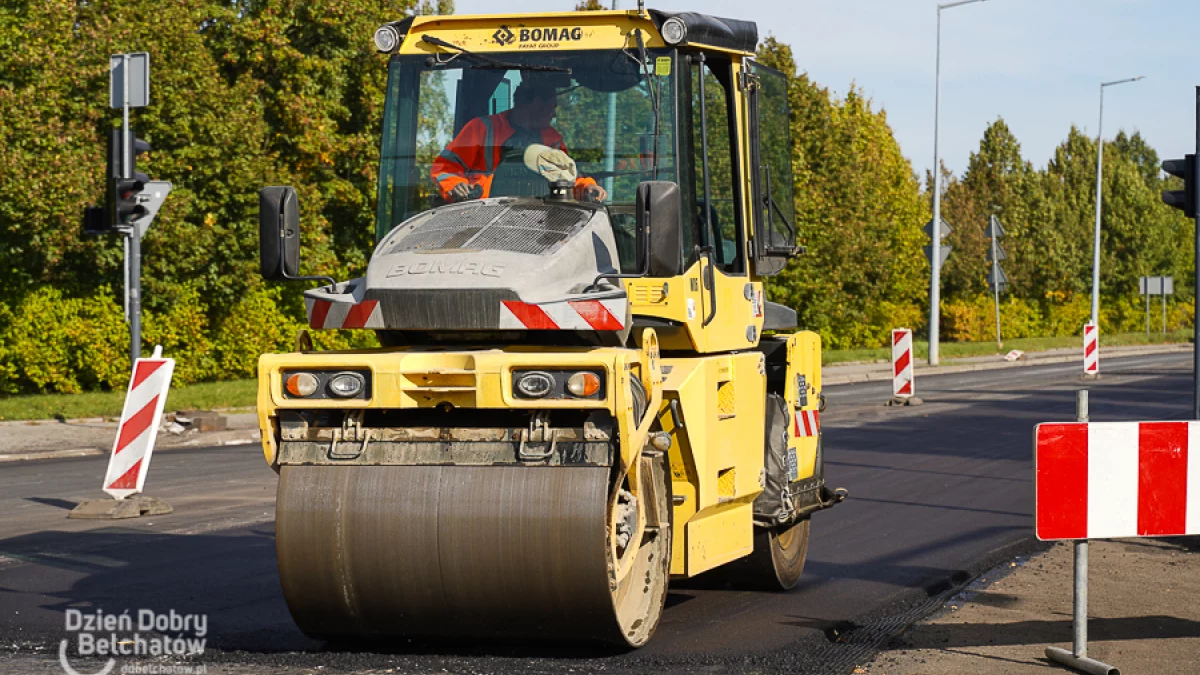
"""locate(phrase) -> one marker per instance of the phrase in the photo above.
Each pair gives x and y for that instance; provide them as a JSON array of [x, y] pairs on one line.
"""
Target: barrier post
[[1077, 658], [903, 387], [1091, 350]]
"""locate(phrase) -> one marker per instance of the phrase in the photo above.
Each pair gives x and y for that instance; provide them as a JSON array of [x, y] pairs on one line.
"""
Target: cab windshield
[[457, 127]]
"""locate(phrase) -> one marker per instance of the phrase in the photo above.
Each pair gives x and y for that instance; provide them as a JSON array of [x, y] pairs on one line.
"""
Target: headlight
[[321, 384], [302, 385], [583, 384], [387, 39], [346, 385], [674, 31], [535, 385]]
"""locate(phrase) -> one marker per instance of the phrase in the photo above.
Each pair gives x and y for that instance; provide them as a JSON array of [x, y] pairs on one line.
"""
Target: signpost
[[936, 235], [997, 281], [1188, 201], [133, 199], [1107, 480], [1163, 286]]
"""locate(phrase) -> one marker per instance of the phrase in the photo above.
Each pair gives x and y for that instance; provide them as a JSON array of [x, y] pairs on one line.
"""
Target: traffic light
[[96, 221], [1186, 198], [124, 181]]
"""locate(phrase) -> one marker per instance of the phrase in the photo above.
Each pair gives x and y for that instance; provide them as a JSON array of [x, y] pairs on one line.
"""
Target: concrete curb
[[52, 454], [883, 371], [166, 443]]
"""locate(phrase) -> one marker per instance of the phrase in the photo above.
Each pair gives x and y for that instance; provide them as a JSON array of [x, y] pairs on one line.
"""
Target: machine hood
[[504, 263]]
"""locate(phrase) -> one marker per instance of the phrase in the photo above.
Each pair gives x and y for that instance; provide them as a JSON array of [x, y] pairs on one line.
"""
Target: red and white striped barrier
[[564, 315], [1116, 479], [327, 314], [902, 363], [1091, 349], [144, 403], [808, 423]]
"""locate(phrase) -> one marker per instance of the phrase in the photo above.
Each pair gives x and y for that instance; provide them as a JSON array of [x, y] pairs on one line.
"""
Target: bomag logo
[[504, 35], [551, 34]]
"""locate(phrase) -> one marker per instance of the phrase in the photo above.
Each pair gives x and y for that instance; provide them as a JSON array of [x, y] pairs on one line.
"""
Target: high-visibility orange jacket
[[473, 155]]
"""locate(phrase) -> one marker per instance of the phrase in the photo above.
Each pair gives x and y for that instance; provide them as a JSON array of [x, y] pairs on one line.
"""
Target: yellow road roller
[[582, 391]]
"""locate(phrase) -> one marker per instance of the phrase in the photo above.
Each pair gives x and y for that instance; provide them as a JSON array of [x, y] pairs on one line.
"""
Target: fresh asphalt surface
[[938, 494]]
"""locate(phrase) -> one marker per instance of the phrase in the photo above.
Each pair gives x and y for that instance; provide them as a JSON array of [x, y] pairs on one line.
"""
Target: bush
[[50, 343], [253, 327]]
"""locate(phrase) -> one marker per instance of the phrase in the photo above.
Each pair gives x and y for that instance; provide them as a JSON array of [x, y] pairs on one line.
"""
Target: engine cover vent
[[522, 227]]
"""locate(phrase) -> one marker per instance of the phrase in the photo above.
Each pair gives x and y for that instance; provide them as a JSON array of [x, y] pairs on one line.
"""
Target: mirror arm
[[643, 272]]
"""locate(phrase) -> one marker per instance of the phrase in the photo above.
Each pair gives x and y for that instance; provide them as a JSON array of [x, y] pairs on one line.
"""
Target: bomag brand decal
[[474, 268], [505, 36]]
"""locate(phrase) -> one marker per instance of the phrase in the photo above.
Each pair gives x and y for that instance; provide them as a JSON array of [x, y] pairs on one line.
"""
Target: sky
[[1037, 64]]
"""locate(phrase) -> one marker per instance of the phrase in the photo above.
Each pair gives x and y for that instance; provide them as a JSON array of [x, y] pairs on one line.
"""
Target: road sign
[[1116, 479], [137, 76], [1156, 286], [902, 363], [945, 229], [995, 273], [945, 252], [994, 230], [997, 256], [150, 198]]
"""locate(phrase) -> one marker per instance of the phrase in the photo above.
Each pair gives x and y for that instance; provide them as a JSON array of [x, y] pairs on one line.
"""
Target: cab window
[[714, 222]]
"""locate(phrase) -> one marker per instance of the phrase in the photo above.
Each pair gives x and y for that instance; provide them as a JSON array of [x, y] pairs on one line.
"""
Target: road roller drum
[[465, 551]]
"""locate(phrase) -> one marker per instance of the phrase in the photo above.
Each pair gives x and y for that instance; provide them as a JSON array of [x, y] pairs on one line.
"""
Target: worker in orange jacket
[[471, 159]]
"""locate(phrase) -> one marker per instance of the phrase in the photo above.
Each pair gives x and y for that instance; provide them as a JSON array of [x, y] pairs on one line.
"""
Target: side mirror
[[659, 233], [278, 233]]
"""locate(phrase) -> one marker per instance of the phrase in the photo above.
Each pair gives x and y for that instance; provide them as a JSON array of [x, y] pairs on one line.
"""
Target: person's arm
[[450, 168]]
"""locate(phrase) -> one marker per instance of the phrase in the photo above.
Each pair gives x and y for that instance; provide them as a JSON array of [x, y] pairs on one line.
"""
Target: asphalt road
[[939, 493]]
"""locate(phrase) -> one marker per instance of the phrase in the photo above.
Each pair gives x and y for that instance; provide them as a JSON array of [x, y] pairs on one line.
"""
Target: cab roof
[[702, 29]]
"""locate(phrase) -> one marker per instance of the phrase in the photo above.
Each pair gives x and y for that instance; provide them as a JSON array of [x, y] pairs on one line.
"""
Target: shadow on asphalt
[[57, 503], [952, 636]]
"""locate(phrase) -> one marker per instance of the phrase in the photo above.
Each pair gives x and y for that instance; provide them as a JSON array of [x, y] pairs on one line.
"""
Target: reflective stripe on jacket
[[473, 155]]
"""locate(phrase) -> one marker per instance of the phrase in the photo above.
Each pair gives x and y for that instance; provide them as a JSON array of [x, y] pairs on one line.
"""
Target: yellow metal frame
[[708, 395]]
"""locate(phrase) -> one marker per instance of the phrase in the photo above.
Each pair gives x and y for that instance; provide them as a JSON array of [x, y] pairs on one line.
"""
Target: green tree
[[859, 213]]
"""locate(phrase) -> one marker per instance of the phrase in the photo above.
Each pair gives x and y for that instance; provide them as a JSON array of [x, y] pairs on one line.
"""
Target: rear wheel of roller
[[469, 551], [777, 561]]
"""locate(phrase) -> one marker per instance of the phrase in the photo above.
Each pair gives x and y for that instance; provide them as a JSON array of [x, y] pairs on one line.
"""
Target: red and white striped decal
[[328, 314], [1091, 349], [808, 423], [143, 409], [564, 315], [902, 363], [1116, 479]]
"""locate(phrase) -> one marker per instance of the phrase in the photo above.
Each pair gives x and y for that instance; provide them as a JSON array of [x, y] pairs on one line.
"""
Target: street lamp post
[[1099, 194], [935, 258]]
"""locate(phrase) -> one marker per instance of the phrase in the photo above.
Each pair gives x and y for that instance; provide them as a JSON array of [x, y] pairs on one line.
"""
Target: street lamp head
[[1128, 79], [948, 5]]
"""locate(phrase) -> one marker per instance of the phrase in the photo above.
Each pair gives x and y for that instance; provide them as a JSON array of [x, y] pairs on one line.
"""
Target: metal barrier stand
[[1078, 658]]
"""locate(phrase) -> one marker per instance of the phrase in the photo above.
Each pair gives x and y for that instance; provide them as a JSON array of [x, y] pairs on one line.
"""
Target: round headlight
[[387, 39], [345, 385], [674, 31], [583, 384], [302, 384], [535, 385]]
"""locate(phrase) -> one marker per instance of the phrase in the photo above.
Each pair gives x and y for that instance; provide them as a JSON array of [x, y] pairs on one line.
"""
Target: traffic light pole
[[133, 249], [1196, 291]]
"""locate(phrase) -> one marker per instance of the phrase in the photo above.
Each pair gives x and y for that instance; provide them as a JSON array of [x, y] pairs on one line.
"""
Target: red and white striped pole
[[130, 459], [1091, 349], [143, 409], [902, 363]]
